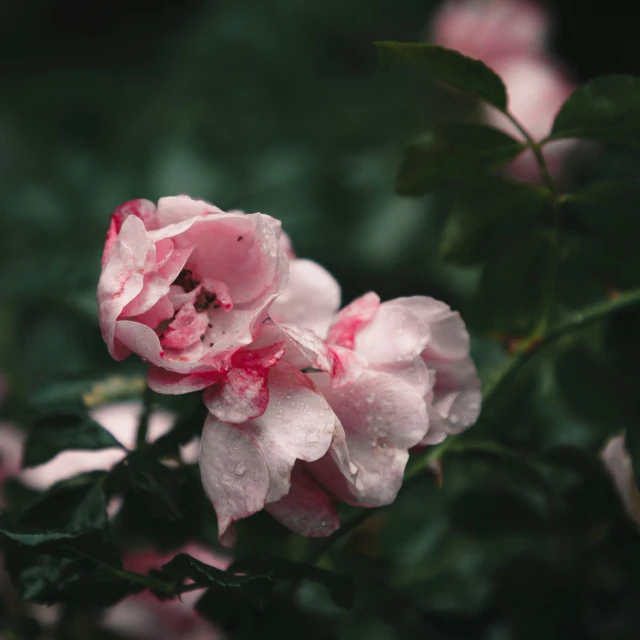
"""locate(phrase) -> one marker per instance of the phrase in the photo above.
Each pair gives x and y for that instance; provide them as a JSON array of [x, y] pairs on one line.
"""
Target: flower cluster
[[308, 405], [511, 36]]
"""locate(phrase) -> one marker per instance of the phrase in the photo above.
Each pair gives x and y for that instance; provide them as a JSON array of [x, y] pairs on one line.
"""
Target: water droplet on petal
[[240, 469], [312, 437]]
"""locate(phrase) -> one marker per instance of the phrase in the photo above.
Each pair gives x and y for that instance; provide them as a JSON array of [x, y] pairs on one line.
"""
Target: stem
[[552, 274], [527, 349], [168, 588], [143, 424], [131, 576]]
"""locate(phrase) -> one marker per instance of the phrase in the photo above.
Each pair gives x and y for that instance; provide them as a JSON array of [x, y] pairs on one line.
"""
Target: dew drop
[[371, 397], [240, 469], [312, 437]]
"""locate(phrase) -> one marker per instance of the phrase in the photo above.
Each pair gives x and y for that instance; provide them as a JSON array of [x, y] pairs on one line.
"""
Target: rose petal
[[175, 209], [122, 277], [187, 328], [234, 472], [449, 336], [395, 335], [162, 381], [307, 510], [297, 425], [352, 319], [382, 417], [311, 299]]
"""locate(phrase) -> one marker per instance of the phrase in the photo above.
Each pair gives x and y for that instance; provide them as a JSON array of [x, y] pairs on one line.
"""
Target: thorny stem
[[526, 351], [143, 424]]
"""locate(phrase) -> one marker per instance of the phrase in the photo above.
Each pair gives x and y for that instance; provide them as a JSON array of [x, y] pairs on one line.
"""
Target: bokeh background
[[276, 106]]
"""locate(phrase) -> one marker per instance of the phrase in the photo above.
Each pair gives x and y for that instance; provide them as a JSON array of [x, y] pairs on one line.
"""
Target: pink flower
[[184, 284], [510, 37], [420, 385], [537, 88], [488, 29], [617, 461], [144, 617]]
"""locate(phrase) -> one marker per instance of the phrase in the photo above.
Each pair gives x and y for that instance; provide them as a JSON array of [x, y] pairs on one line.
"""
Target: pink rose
[[617, 461], [510, 37], [537, 88], [488, 29], [184, 284], [420, 385]]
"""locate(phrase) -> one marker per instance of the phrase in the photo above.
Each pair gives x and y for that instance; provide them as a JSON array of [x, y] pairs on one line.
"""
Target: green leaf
[[256, 588], [510, 304], [487, 216], [609, 212], [156, 483], [31, 536], [340, 586], [454, 151], [468, 75], [76, 505], [605, 109], [64, 430]]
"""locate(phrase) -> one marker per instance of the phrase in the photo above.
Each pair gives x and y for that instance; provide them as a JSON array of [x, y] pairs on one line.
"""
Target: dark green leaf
[[605, 109], [593, 388], [489, 215], [60, 431], [513, 305], [32, 536], [156, 483], [461, 72], [76, 505], [609, 212], [454, 151], [256, 588]]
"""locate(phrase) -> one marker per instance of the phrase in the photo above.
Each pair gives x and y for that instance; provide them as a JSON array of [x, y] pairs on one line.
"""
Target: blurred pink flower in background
[[510, 37], [144, 617], [617, 461]]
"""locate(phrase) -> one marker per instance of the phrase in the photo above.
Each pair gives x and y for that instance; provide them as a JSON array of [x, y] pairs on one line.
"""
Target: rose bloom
[[184, 284], [537, 88], [488, 29], [509, 36], [617, 461], [406, 379]]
